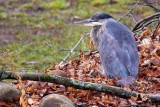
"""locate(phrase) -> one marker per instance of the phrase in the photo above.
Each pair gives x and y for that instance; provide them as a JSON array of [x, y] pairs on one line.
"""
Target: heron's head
[[97, 19]]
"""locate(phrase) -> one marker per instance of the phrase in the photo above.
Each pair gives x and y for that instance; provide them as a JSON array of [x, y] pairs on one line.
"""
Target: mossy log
[[117, 91]]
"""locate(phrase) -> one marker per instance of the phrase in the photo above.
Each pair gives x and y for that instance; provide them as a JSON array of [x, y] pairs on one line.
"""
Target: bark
[[117, 91], [146, 21]]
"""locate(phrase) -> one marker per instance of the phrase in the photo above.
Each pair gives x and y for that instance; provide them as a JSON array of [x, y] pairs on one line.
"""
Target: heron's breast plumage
[[94, 35]]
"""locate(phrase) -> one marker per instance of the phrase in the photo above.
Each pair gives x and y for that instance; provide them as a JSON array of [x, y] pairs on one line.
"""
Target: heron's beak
[[88, 22]]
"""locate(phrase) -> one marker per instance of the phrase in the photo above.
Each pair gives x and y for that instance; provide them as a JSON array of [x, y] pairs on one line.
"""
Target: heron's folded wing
[[128, 56], [116, 58]]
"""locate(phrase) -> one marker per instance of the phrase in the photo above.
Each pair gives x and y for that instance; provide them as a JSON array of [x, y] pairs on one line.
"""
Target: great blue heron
[[117, 47]]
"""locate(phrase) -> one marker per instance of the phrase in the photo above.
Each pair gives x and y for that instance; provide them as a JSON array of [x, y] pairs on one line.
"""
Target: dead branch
[[120, 92], [71, 51], [133, 18], [130, 10], [150, 5], [146, 21], [153, 35]]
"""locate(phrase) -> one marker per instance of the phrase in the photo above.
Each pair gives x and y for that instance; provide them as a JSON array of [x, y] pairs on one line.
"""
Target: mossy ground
[[33, 31]]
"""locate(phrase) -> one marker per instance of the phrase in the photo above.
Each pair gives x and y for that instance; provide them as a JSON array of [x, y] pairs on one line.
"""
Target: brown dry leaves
[[85, 68]]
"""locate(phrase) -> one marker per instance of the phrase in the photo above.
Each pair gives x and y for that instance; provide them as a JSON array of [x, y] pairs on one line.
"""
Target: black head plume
[[100, 16]]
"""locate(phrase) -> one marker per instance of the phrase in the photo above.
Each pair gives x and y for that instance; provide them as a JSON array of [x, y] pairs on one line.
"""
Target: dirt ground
[[5, 36]]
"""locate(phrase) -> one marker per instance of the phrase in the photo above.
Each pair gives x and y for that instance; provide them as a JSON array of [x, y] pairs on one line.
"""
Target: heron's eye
[[95, 18]]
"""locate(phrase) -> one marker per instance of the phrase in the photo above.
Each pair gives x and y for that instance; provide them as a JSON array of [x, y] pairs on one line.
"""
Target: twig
[[120, 92], [61, 49], [153, 35], [145, 25], [143, 22], [149, 4], [130, 10], [135, 21], [74, 50], [71, 51]]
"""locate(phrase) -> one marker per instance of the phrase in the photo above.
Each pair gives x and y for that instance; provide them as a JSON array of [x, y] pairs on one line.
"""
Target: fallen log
[[117, 91]]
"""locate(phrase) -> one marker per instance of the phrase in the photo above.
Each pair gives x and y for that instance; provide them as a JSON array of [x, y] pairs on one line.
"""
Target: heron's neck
[[96, 30], [94, 35]]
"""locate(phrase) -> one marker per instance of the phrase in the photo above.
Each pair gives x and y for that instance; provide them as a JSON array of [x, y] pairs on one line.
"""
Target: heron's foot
[[126, 81]]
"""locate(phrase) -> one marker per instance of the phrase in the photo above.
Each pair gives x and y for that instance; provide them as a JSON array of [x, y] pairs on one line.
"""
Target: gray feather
[[117, 48]]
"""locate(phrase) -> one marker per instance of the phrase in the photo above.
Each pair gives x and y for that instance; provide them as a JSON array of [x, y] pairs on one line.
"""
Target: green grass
[[56, 4], [3, 15], [27, 6], [42, 28]]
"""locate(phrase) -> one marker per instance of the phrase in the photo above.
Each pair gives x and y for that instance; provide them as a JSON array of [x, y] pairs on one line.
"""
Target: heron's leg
[[126, 81]]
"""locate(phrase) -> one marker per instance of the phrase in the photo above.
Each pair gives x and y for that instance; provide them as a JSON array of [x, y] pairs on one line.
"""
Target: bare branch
[[146, 21], [74, 50], [134, 19], [145, 25], [153, 35], [71, 51]]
